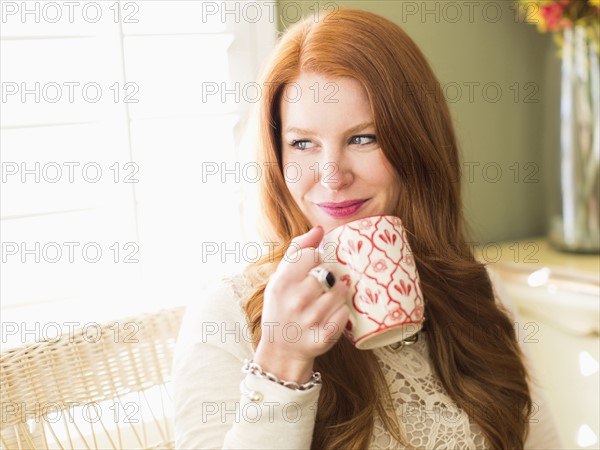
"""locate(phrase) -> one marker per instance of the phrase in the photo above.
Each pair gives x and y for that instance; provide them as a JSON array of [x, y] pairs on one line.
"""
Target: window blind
[[109, 121]]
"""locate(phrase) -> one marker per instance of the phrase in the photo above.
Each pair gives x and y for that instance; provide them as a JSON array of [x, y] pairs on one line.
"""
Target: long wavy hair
[[472, 342]]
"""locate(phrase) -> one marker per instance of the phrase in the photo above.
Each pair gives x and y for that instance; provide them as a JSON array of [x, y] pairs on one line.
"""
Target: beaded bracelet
[[251, 367]]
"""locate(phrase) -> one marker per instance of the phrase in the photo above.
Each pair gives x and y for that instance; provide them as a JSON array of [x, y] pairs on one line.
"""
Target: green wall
[[483, 42]]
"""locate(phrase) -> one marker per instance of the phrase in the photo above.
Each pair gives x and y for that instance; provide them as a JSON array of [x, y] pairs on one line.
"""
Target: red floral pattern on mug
[[346, 280], [379, 265], [354, 249], [369, 297], [374, 259], [365, 224], [403, 288]]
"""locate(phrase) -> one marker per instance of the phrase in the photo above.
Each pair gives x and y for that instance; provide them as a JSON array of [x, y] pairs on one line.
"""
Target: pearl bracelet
[[251, 367]]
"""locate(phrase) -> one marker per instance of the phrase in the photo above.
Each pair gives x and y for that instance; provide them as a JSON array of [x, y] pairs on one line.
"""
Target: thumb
[[311, 238]]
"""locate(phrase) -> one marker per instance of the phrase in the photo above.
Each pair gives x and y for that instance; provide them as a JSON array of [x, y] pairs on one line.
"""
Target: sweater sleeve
[[211, 401], [542, 426]]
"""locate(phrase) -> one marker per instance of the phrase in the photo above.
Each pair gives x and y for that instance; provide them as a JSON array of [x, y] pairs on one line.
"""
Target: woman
[[353, 110]]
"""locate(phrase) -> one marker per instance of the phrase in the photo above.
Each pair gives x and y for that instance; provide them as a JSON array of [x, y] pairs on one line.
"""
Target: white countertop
[[558, 296]]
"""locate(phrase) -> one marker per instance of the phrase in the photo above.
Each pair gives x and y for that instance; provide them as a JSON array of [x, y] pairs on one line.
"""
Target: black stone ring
[[324, 277]]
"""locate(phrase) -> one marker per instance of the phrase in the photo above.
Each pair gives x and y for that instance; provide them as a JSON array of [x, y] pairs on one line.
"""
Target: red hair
[[485, 377]]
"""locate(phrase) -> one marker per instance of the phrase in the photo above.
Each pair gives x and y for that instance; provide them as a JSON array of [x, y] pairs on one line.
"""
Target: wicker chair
[[101, 386]]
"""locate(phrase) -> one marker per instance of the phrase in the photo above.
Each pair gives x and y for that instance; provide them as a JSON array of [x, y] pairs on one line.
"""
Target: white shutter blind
[[107, 125]]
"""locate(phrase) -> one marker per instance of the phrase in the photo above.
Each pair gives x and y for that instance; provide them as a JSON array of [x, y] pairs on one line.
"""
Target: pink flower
[[558, 15], [552, 13]]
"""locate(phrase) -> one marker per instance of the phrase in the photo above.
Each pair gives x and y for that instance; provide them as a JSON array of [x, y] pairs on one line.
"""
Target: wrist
[[284, 367], [255, 369]]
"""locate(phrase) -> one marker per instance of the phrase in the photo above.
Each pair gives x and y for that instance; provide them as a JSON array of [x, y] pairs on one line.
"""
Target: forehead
[[313, 101]]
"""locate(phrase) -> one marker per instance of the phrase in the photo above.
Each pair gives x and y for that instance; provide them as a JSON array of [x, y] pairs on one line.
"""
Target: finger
[[336, 324], [303, 261], [297, 266], [310, 239], [301, 256], [319, 305], [313, 286]]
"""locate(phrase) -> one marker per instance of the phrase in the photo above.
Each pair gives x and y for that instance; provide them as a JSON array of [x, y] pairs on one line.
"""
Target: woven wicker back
[[99, 386]]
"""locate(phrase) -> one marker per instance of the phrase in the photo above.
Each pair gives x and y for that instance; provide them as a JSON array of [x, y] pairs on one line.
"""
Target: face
[[333, 165]]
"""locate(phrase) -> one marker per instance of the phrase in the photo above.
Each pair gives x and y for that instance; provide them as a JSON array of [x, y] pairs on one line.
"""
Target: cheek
[[375, 170], [380, 173], [299, 178]]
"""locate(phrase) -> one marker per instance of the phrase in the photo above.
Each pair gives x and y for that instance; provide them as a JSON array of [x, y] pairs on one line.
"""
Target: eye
[[300, 144], [364, 139]]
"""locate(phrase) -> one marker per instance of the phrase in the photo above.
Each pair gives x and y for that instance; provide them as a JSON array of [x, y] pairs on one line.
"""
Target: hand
[[299, 320]]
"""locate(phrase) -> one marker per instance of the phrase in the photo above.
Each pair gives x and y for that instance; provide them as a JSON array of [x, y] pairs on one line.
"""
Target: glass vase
[[577, 227]]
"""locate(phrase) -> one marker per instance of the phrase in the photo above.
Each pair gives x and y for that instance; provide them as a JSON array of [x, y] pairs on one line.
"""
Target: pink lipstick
[[342, 210]]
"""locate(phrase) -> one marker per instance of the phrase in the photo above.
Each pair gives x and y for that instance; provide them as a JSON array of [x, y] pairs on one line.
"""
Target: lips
[[344, 209]]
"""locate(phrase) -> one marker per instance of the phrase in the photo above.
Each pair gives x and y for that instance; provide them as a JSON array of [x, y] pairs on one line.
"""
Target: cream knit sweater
[[211, 412]]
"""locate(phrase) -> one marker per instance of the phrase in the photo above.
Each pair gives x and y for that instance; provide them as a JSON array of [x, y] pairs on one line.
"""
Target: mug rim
[[363, 218]]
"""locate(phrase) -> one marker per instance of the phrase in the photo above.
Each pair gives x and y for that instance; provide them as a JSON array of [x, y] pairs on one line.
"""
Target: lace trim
[[241, 286], [428, 417]]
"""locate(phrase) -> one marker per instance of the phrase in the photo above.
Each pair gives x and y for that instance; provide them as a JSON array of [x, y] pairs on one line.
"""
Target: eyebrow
[[354, 129]]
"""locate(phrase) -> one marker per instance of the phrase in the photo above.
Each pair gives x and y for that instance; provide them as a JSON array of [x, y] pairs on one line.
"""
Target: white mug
[[372, 256]]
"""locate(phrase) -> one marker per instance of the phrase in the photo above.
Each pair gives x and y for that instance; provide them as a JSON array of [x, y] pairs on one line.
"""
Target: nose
[[335, 169]]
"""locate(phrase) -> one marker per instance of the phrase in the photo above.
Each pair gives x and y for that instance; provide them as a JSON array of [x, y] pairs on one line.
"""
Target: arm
[[210, 411]]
